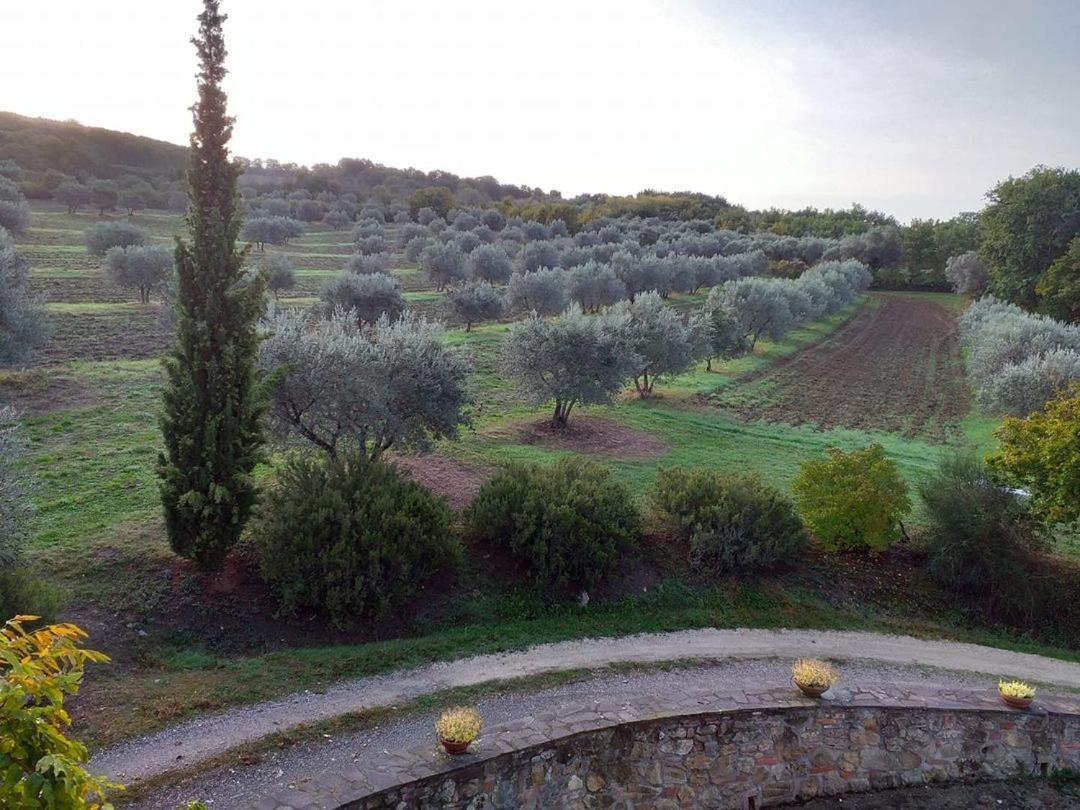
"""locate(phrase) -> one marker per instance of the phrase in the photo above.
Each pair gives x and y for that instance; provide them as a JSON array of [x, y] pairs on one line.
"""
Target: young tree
[[389, 384], [22, 318], [143, 268], [657, 337], [474, 302], [720, 333], [368, 297], [213, 403], [574, 359], [278, 272]]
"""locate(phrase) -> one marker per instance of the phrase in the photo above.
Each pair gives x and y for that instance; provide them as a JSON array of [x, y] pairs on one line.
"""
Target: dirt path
[[895, 367], [204, 738]]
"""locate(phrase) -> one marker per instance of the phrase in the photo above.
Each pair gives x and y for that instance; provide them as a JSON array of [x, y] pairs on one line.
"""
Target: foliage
[[444, 264], [1041, 453], [14, 506], [263, 231], [474, 302], [1059, 287], [979, 536], [719, 330], [365, 264], [662, 343], [14, 212], [731, 523], [569, 522], [853, 499], [367, 297], [761, 307], [593, 286], [72, 196], [542, 292], [814, 673], [22, 318], [278, 273], [966, 273], [102, 236], [438, 199], [459, 724], [1016, 689], [490, 263], [40, 766], [574, 359], [213, 403], [142, 267], [388, 384], [1027, 225], [350, 537]]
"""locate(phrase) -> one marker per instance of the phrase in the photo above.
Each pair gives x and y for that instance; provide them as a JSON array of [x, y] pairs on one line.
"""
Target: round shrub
[[730, 522], [568, 522], [349, 537], [852, 500]]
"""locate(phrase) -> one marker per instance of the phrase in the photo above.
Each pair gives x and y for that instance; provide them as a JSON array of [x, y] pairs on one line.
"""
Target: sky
[[912, 107]]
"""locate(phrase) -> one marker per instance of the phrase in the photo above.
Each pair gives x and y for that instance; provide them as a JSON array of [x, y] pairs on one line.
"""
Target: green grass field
[[91, 415]]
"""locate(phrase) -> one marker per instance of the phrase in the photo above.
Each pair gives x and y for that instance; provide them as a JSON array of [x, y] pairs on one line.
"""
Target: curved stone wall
[[737, 750]]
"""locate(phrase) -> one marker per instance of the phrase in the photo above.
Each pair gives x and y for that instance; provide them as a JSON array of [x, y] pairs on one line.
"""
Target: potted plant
[[1016, 693], [814, 677], [457, 727]]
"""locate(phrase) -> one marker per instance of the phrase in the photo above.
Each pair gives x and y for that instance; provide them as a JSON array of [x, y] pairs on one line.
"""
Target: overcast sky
[[914, 107]]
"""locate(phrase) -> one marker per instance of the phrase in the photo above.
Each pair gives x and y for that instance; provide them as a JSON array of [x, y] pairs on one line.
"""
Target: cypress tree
[[213, 401]]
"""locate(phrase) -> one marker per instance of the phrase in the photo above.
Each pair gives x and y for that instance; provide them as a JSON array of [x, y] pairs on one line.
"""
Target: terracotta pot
[[1017, 703], [809, 690], [454, 747]]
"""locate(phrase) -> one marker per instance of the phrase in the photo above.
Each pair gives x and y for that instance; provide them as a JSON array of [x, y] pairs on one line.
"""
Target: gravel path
[[207, 737]]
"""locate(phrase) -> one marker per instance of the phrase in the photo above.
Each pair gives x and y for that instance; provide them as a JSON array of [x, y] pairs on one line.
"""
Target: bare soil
[[456, 482], [593, 435], [894, 368]]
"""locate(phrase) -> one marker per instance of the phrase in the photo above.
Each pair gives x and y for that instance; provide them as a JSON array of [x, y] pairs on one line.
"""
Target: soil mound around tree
[[594, 435]]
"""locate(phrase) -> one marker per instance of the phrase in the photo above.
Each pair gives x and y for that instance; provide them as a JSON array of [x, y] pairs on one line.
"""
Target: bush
[[568, 522], [731, 523], [852, 500], [979, 535], [349, 537]]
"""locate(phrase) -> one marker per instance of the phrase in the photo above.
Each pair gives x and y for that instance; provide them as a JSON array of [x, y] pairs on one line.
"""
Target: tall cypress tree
[[212, 401]]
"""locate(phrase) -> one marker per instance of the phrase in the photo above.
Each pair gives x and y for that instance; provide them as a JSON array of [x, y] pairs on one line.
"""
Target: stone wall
[[648, 756]]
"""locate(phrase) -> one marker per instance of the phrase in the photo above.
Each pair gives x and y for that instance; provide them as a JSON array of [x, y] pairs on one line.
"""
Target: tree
[[264, 231], [336, 219], [15, 509], [103, 236], [761, 306], [719, 330], [1041, 453], [660, 341], [14, 212], [143, 268], [72, 196], [491, 264], [364, 264], [437, 198], [594, 286], [103, 194], [542, 292], [310, 211], [131, 201], [852, 500], [1059, 287], [476, 301], [278, 272], [22, 318], [966, 273], [213, 402], [444, 264], [574, 359], [1028, 223], [42, 766], [367, 297], [388, 384]]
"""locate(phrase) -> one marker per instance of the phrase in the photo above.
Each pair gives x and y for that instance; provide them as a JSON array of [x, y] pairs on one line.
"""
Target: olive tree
[[720, 333], [390, 384], [139, 267], [72, 196], [536, 255], [362, 264], [967, 273], [593, 286], [444, 264], [663, 344], [102, 236], [474, 302], [490, 263], [366, 297], [542, 292], [279, 273], [14, 505], [22, 318], [262, 231], [336, 218], [761, 306], [574, 359]]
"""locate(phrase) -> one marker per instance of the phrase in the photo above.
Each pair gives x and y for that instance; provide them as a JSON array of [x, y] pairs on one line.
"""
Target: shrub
[[979, 535], [104, 235], [730, 522], [852, 500], [568, 522], [459, 724], [39, 764], [814, 673], [349, 537]]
